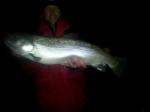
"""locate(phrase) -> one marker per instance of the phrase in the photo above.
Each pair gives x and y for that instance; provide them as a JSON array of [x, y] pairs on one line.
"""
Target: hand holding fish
[[75, 62]]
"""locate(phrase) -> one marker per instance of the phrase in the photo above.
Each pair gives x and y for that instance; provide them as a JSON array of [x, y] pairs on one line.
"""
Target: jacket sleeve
[[61, 27], [44, 29]]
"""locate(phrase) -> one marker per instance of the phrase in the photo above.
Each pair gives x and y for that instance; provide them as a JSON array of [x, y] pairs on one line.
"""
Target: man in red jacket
[[52, 23], [59, 88]]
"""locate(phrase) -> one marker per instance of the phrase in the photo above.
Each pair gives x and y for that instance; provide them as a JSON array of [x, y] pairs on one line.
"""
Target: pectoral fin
[[34, 57]]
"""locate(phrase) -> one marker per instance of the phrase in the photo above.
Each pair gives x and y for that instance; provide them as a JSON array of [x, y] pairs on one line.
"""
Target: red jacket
[[61, 27], [58, 88]]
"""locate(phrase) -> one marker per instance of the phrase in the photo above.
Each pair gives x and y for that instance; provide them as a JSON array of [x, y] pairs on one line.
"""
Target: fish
[[51, 51]]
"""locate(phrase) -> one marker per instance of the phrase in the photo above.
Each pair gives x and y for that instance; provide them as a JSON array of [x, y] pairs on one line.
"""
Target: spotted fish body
[[56, 50]]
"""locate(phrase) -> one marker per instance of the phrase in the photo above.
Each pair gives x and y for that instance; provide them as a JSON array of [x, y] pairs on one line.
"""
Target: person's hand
[[75, 62]]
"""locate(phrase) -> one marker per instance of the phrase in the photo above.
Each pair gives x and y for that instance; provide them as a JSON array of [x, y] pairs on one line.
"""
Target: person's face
[[52, 15]]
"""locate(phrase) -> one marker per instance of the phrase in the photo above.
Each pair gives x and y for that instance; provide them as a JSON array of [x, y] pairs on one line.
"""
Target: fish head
[[19, 45]]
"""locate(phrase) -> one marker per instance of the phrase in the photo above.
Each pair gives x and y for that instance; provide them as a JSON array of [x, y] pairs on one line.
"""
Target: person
[[60, 88], [52, 24]]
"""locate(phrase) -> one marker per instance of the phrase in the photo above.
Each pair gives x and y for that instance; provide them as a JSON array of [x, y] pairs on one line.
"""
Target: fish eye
[[27, 48]]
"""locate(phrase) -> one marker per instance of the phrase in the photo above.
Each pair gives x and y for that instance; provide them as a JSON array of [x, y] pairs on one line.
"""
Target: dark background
[[107, 24]]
